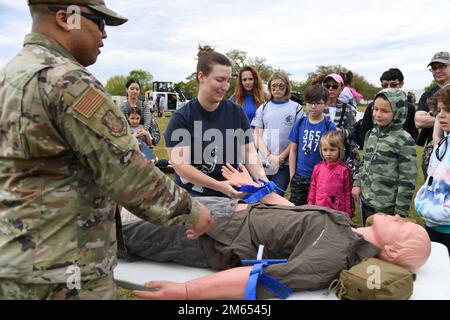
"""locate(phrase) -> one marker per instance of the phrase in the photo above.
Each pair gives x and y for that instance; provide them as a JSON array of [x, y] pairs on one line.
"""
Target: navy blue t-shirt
[[307, 137], [215, 138]]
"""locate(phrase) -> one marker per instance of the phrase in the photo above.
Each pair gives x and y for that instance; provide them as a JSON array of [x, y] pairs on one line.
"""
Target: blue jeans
[[281, 179], [147, 151]]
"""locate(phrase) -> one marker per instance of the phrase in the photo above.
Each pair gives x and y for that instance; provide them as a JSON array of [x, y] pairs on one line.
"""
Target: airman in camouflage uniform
[[67, 157], [388, 176]]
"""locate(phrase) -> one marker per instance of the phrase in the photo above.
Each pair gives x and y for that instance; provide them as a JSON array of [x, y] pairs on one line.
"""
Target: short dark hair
[[131, 81], [384, 76], [392, 74], [315, 93]]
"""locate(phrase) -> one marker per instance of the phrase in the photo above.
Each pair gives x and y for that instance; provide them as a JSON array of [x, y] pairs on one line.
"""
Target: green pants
[[98, 289]]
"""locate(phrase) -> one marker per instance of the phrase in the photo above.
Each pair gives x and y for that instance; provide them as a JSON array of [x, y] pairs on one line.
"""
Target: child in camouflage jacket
[[387, 179]]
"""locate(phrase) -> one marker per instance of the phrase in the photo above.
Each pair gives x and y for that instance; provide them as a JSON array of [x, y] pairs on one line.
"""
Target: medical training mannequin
[[403, 243]]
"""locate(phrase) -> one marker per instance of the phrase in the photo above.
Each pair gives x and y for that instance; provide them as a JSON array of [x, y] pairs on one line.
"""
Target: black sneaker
[[162, 163]]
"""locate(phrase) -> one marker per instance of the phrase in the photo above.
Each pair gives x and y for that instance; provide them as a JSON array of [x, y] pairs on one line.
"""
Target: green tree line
[[116, 84]]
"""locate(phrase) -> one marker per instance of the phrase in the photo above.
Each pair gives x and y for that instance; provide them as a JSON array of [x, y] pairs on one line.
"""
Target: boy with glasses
[[392, 78], [305, 137]]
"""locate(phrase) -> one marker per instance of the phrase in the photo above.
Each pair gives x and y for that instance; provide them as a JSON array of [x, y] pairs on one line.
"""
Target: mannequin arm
[[228, 284]]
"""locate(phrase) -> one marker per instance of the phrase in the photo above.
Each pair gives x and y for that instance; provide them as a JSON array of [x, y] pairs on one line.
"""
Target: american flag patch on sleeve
[[89, 103]]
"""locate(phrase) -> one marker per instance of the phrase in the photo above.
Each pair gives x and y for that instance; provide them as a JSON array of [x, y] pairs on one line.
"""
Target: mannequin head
[[401, 242]]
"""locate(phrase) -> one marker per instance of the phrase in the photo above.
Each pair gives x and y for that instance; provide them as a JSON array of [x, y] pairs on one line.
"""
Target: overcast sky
[[367, 37]]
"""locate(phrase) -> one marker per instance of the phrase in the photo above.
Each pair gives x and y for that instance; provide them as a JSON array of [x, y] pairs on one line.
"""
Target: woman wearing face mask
[[273, 123], [142, 108], [210, 131], [249, 93]]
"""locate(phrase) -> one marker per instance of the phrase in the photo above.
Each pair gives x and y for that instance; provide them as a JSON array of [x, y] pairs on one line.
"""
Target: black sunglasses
[[93, 17], [329, 86], [393, 85]]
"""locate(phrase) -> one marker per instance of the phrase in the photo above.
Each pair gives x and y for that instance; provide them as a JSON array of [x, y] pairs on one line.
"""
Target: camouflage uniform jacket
[[389, 172], [66, 158]]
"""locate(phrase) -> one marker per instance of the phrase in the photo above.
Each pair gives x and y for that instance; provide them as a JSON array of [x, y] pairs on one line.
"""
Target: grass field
[[161, 153]]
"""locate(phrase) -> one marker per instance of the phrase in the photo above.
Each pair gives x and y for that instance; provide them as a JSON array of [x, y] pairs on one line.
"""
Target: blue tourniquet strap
[[257, 275], [257, 193]]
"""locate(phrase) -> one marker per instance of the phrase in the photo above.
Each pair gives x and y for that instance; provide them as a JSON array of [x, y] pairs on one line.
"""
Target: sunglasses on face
[[331, 86], [393, 85], [437, 66], [315, 104], [101, 24], [277, 86]]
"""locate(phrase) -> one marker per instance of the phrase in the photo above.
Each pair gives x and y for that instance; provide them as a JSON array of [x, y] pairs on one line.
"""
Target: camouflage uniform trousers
[[97, 289]]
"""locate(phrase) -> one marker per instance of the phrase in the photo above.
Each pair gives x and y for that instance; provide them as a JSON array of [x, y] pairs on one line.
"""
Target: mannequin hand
[[168, 290]]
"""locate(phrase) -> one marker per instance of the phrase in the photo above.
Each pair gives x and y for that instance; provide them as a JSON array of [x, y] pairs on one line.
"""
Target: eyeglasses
[[442, 148], [393, 85], [435, 67], [315, 104], [329, 86], [101, 24], [277, 86]]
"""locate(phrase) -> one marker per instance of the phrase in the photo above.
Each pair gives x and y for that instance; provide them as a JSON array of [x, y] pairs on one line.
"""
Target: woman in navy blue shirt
[[210, 131]]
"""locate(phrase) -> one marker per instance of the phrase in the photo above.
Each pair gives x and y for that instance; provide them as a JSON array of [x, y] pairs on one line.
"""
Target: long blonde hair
[[257, 91]]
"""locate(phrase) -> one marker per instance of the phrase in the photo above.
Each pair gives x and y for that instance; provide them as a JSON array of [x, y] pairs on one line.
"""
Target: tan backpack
[[375, 279]]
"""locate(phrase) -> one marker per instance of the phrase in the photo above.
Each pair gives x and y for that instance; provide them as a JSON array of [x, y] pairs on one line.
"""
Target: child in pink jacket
[[331, 180]]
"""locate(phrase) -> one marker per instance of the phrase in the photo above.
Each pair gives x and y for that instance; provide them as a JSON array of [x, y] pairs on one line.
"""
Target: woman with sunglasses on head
[[433, 199], [273, 123], [209, 132], [249, 92]]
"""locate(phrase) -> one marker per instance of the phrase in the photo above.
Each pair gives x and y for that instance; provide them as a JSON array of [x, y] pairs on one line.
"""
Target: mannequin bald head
[[401, 242]]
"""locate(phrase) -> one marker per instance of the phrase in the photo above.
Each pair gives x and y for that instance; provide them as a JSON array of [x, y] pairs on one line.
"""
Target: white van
[[174, 100]]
